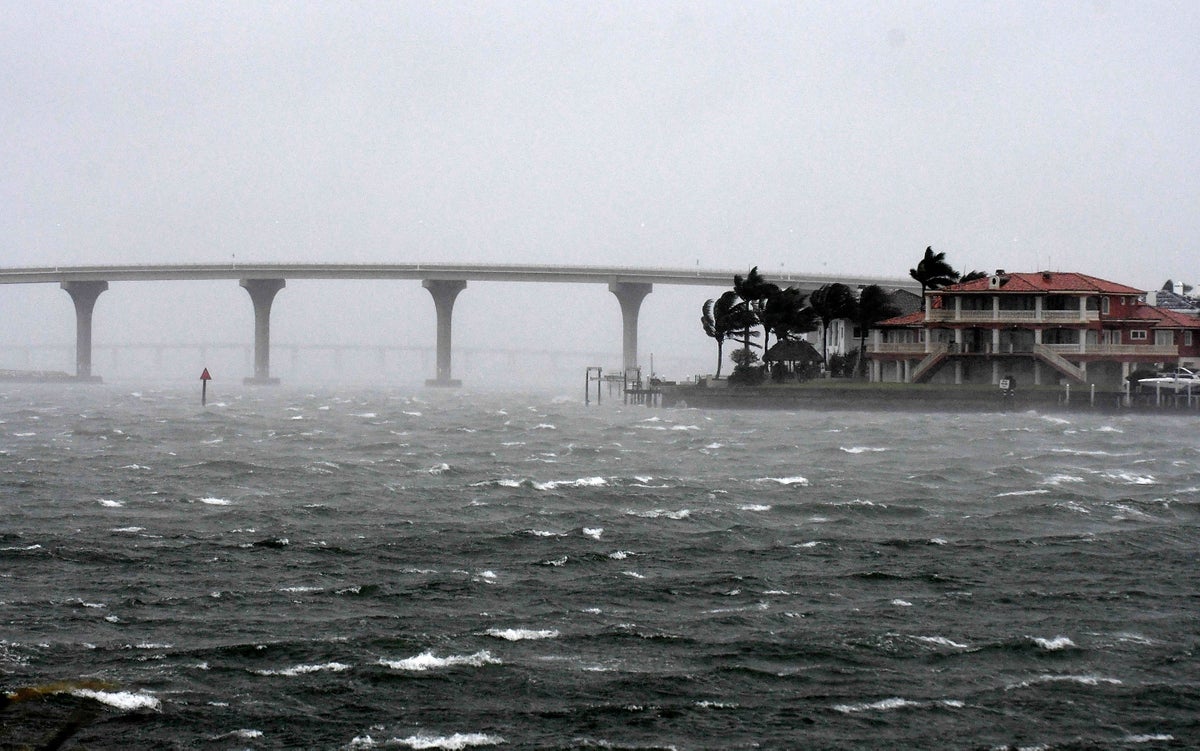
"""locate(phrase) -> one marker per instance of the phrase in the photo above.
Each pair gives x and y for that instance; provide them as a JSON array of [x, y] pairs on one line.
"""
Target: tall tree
[[755, 291], [933, 272], [722, 318], [787, 314], [874, 305], [830, 302]]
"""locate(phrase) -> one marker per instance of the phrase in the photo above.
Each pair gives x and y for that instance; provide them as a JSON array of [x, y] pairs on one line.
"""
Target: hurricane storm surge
[[358, 569]]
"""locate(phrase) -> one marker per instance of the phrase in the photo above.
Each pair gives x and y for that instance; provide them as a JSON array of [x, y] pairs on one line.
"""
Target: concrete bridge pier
[[630, 296], [262, 294], [84, 295], [444, 291]]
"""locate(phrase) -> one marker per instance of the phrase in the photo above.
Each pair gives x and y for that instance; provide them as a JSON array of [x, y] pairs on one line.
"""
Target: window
[[1164, 338], [1137, 335], [1104, 305], [1187, 338]]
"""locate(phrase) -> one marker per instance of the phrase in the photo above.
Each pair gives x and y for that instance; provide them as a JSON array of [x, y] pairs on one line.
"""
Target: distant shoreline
[[41, 376]]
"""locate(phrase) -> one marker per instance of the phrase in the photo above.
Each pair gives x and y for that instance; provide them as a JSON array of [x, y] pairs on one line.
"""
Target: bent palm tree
[[721, 319], [786, 314], [874, 305], [933, 272], [755, 292], [830, 302]]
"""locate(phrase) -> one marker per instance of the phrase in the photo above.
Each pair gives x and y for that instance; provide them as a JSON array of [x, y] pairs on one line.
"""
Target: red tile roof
[[911, 319], [1163, 318], [1044, 281]]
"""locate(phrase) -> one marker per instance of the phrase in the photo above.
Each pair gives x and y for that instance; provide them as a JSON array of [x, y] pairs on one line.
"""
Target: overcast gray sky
[[826, 137], [813, 136]]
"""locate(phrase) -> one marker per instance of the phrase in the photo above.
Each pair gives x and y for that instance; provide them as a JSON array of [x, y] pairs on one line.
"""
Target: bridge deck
[[422, 271]]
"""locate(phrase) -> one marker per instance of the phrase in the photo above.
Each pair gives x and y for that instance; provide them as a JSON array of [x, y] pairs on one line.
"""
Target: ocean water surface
[[356, 569]]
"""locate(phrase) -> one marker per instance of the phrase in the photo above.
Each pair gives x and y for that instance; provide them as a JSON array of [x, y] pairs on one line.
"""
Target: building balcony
[[919, 349], [1165, 351], [1051, 317]]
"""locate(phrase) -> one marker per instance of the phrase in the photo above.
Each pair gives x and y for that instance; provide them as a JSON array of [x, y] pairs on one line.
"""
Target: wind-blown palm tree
[[787, 314], [755, 291], [933, 272], [722, 318], [830, 302], [874, 305]]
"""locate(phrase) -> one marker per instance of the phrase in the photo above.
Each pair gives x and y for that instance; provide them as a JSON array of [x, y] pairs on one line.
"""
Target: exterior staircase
[[925, 369], [1058, 362]]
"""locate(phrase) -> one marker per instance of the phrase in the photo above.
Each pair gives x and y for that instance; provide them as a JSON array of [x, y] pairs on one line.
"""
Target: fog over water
[[813, 137]]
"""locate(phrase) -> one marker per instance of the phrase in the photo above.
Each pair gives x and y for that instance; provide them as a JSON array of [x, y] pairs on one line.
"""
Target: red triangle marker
[[205, 376]]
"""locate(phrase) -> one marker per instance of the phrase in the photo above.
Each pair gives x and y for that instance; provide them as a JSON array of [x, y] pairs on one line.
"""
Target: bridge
[[444, 281]]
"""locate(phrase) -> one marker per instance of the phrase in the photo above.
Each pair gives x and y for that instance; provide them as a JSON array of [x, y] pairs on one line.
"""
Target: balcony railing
[[949, 315], [1147, 350], [898, 348], [1163, 351]]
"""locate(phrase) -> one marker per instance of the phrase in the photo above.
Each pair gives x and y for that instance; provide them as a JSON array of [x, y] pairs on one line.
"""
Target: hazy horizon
[[829, 138]]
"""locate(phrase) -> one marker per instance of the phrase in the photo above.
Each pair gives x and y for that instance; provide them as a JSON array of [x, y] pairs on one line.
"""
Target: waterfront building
[[1040, 328]]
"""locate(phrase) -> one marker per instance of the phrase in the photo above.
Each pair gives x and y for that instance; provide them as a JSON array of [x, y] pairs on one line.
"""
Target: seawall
[[826, 395]]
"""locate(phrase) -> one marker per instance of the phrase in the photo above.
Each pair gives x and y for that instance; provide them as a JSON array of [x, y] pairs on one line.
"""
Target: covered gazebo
[[798, 355]]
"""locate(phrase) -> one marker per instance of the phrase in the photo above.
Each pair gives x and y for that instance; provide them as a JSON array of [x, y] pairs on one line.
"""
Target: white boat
[[1179, 379]]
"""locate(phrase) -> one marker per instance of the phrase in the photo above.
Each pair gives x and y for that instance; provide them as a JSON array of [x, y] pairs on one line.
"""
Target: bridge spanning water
[[444, 281]]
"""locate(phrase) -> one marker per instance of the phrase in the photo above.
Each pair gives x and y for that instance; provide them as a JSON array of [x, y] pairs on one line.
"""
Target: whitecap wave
[[521, 634], [660, 513], [335, 667], [583, 482], [216, 501], [941, 641], [1061, 479], [504, 483], [455, 742], [126, 700], [1129, 478], [1055, 644], [797, 480], [895, 702], [862, 449], [1083, 680], [429, 661]]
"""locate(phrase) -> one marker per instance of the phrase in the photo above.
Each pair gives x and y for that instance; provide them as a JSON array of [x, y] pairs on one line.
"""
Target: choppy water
[[352, 570]]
